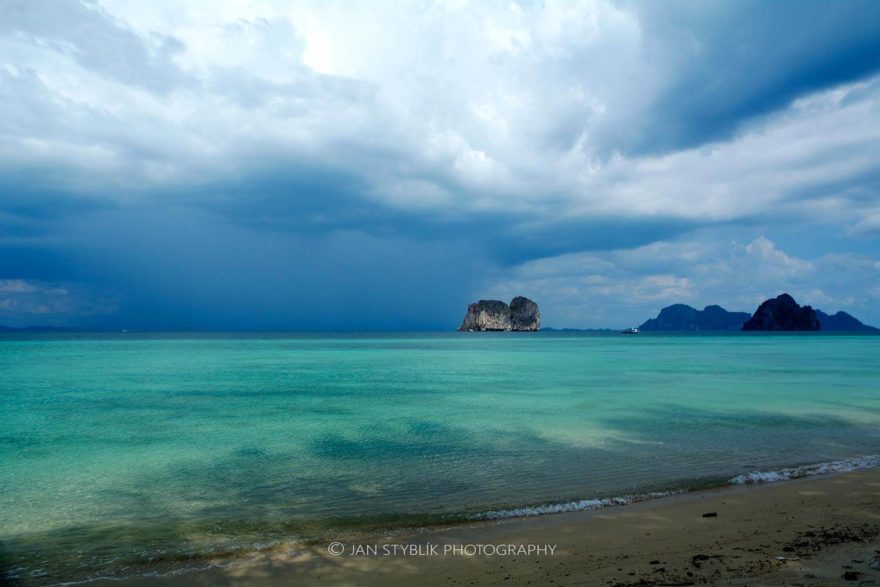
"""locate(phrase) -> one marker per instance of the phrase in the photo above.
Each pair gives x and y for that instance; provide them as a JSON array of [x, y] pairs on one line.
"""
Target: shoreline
[[807, 530]]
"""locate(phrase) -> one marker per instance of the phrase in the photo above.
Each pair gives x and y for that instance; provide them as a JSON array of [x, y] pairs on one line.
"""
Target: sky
[[220, 164]]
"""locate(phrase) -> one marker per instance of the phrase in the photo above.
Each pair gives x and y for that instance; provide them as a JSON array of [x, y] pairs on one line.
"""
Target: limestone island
[[783, 313], [522, 315]]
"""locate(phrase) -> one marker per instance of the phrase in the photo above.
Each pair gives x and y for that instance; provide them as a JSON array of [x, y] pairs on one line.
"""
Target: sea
[[134, 453]]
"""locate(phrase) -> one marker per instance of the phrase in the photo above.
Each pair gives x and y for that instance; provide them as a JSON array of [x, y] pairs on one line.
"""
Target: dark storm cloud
[[183, 266], [729, 63]]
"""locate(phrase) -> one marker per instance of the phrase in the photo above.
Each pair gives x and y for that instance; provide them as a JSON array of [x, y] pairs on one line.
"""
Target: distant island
[[684, 317], [781, 313], [842, 321], [522, 315]]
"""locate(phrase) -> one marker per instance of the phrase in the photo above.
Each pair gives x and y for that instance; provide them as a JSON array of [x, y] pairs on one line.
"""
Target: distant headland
[[684, 317], [522, 315], [781, 313]]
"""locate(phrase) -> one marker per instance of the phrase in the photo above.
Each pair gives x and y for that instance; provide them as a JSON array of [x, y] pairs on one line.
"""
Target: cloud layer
[[264, 164]]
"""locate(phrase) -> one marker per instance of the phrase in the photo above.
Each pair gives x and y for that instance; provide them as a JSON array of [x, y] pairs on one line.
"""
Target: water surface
[[120, 453]]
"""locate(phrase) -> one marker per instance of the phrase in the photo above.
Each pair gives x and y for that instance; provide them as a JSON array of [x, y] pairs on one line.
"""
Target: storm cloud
[[337, 165]]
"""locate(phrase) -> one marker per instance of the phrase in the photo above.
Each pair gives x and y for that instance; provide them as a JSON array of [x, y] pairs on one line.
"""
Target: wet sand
[[821, 530]]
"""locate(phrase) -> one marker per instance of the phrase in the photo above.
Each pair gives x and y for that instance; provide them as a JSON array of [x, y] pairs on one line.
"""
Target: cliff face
[[524, 314], [495, 315], [783, 313], [486, 315], [680, 317]]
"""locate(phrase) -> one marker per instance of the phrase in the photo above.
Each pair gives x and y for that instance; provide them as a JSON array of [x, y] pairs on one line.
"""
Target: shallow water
[[119, 453]]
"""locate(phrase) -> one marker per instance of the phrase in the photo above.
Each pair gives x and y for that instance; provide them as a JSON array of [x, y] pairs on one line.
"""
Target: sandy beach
[[822, 530]]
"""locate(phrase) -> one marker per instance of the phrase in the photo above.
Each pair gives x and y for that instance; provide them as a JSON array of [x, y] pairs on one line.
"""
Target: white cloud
[[504, 106], [621, 287], [16, 286], [869, 224]]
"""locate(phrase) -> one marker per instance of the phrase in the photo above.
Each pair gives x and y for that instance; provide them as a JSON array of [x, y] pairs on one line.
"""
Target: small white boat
[[632, 330]]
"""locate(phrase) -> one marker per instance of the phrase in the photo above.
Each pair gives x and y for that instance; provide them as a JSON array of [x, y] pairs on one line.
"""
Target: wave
[[752, 478], [842, 466], [571, 506]]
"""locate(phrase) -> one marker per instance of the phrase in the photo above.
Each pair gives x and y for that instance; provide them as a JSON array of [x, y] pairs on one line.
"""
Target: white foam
[[570, 506], [842, 466]]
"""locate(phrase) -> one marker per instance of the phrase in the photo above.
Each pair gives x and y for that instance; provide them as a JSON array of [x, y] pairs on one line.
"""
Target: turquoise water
[[122, 453]]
